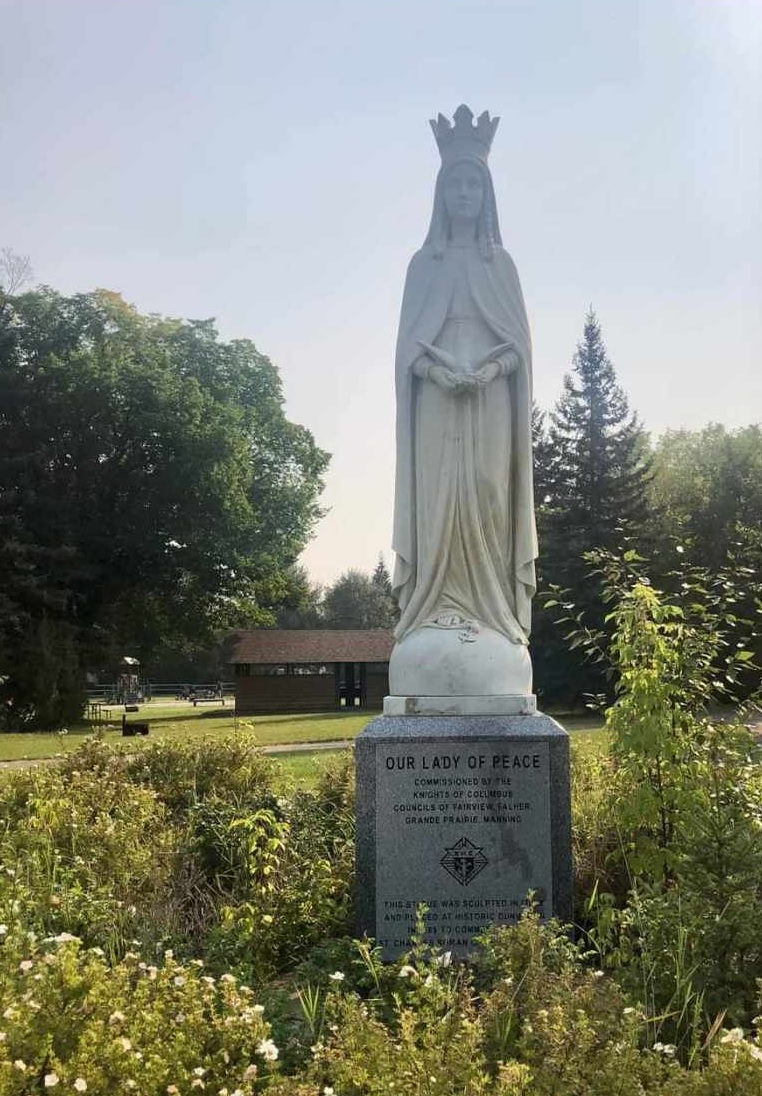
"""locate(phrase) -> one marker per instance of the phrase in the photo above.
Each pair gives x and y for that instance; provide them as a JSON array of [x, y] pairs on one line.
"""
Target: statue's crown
[[464, 139]]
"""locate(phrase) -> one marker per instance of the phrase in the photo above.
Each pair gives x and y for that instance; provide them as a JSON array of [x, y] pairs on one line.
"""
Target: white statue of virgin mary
[[464, 531]]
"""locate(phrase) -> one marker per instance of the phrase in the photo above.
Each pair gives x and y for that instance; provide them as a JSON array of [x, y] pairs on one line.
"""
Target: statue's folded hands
[[447, 372]]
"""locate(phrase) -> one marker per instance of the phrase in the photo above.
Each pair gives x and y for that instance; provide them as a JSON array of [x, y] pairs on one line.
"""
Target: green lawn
[[182, 721], [306, 767]]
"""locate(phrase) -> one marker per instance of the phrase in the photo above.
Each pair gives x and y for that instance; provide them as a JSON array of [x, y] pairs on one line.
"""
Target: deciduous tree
[[357, 600], [157, 487]]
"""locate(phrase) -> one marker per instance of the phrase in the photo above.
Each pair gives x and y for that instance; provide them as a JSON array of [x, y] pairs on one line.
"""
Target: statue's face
[[463, 192]]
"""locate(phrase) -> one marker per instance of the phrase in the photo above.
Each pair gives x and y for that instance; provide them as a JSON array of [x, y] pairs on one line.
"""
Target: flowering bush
[[81, 851], [68, 1021], [529, 1017], [189, 846], [108, 862]]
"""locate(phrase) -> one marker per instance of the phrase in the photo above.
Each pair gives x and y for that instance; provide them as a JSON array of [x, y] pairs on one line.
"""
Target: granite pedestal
[[465, 813]]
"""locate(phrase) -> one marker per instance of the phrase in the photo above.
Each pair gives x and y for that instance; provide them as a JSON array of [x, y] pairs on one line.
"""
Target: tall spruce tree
[[381, 577], [594, 496], [542, 460]]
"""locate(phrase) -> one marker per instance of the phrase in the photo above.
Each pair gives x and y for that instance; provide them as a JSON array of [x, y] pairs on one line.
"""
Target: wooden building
[[310, 671]]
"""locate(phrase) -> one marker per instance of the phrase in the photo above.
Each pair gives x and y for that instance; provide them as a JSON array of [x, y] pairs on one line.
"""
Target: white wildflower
[[65, 938], [445, 960], [179, 1017], [25, 965], [258, 1008], [597, 974], [337, 976], [3, 929], [755, 1052], [197, 1083], [169, 954], [179, 980], [407, 971], [20, 1065], [250, 1072], [116, 1017], [199, 1071], [80, 1084], [172, 1090], [268, 1050], [50, 1080], [735, 1035], [125, 1043], [227, 978], [328, 1091]]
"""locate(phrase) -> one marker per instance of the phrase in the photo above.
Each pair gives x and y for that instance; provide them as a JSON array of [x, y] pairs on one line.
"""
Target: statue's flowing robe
[[464, 530]]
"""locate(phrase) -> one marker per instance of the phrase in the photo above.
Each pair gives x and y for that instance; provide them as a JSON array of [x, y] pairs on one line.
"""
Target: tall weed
[[686, 795]]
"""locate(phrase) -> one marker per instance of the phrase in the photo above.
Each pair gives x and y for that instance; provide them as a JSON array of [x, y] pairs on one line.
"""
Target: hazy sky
[[270, 163]]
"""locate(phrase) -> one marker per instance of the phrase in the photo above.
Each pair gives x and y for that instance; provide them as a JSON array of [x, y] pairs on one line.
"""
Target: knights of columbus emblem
[[464, 861]]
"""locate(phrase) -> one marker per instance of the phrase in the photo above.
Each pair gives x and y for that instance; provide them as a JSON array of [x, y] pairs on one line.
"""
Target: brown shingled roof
[[275, 645]]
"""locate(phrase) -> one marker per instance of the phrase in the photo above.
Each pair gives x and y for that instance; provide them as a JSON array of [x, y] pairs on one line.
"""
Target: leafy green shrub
[[687, 797], [183, 775], [185, 845], [295, 887]]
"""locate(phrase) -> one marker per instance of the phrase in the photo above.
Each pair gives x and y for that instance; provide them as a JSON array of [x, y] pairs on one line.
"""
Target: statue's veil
[[487, 227]]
